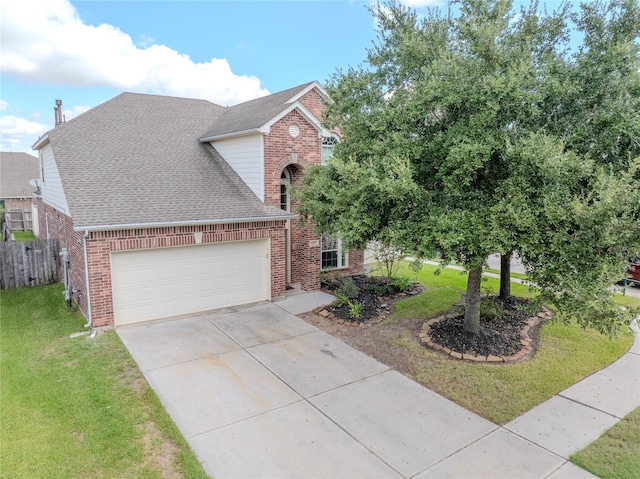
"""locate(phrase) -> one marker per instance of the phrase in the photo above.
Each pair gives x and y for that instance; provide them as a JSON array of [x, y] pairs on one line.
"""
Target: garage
[[158, 283]]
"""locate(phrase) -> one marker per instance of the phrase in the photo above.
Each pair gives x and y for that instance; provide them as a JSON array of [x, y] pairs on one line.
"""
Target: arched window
[[328, 144], [285, 201]]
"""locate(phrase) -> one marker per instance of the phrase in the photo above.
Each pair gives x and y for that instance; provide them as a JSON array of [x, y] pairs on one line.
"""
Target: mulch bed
[[500, 334], [375, 295]]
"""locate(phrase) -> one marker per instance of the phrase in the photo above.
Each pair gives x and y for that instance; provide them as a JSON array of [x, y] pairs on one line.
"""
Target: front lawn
[[78, 407], [616, 455], [566, 354]]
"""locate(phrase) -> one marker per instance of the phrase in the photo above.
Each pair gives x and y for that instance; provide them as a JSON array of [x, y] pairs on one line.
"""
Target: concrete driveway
[[260, 393]]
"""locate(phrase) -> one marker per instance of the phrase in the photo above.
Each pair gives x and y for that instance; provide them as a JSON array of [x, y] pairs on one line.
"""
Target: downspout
[[86, 276]]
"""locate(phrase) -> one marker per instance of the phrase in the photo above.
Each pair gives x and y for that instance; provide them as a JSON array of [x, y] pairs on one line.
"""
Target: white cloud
[[18, 134], [46, 41]]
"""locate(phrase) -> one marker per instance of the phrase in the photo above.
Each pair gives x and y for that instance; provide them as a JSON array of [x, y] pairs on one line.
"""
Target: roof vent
[[58, 112]]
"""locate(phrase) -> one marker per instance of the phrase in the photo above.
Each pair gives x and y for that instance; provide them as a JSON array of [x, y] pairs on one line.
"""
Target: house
[[172, 206], [16, 171]]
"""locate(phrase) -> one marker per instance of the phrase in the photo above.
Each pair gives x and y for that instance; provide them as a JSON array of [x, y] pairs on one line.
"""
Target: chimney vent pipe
[[58, 112]]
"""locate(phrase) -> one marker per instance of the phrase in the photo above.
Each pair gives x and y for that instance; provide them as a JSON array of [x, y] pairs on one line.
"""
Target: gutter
[[252, 131], [86, 277], [168, 224]]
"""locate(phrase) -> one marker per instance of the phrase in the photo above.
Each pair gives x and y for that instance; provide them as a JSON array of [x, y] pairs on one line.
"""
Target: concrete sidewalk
[[260, 393]]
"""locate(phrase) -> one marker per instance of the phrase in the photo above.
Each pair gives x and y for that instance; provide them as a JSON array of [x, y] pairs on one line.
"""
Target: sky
[[86, 52]]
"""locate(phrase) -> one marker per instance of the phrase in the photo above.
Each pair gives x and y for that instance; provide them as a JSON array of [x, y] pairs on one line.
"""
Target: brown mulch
[[499, 336]]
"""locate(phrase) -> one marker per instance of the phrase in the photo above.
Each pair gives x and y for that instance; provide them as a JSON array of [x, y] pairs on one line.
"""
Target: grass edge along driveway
[[502, 392], [77, 407]]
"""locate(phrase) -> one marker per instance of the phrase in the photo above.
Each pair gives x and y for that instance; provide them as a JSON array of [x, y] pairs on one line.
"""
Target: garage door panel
[[157, 283]]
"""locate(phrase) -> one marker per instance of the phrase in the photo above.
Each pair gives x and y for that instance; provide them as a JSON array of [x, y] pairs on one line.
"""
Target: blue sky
[[86, 52]]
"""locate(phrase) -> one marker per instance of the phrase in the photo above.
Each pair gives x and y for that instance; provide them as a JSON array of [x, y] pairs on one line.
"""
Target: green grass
[[616, 455], [566, 354], [24, 236], [78, 407], [512, 274]]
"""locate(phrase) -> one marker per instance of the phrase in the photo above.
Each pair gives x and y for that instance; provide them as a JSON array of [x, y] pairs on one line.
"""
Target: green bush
[[340, 300], [489, 309], [355, 310], [401, 282], [347, 288]]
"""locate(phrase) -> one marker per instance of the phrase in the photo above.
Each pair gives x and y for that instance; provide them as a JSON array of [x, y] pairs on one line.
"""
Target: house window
[[284, 191], [328, 145], [333, 255]]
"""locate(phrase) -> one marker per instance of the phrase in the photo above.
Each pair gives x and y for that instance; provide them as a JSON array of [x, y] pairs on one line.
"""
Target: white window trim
[[342, 256], [325, 143]]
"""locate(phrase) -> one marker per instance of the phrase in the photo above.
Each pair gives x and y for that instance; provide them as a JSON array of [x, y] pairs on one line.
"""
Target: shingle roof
[[252, 114], [16, 170], [136, 159]]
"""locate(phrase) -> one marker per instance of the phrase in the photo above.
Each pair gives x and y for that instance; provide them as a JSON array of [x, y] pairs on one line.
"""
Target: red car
[[633, 271]]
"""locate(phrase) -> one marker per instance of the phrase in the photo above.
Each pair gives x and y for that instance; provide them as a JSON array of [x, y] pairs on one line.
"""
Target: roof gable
[[16, 170], [136, 160], [258, 115]]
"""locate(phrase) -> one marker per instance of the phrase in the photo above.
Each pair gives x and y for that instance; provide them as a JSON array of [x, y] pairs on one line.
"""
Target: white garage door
[[159, 283]]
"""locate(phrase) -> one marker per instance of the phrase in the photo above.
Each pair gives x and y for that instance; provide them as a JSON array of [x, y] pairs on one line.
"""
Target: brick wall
[[282, 151], [17, 203], [100, 244], [313, 102], [54, 224]]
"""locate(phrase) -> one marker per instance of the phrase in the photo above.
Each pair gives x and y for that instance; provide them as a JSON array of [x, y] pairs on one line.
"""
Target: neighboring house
[[172, 206], [16, 171]]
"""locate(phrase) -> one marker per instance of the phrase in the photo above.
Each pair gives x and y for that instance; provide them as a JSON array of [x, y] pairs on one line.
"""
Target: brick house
[[172, 206], [16, 171]]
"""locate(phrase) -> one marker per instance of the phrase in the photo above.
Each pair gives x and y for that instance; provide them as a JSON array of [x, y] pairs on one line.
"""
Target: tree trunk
[[472, 303], [505, 276]]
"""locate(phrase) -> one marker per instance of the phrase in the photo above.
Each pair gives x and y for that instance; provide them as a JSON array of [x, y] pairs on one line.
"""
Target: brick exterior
[[54, 224], [100, 244], [17, 203], [281, 151]]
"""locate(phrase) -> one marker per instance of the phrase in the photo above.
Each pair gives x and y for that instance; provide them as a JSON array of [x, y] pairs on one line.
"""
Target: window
[[284, 191], [333, 256], [328, 145]]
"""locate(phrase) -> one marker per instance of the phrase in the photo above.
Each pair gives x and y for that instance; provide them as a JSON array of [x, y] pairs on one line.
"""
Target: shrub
[[355, 310], [340, 300], [402, 283], [388, 258], [347, 288], [489, 309]]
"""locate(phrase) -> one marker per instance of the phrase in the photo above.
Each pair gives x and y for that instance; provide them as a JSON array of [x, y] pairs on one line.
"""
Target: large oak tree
[[462, 133]]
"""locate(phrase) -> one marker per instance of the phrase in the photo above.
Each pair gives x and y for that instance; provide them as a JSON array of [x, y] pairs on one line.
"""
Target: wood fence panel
[[29, 263], [19, 220]]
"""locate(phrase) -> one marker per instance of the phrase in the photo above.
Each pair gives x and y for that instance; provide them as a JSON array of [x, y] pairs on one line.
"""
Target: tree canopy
[[479, 133]]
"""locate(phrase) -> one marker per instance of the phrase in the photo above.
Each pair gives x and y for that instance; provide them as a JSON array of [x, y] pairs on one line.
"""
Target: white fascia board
[[43, 140], [230, 135], [266, 128], [317, 86], [168, 224]]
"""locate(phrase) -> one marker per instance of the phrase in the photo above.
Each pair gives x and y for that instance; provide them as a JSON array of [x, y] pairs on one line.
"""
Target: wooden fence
[[29, 263], [19, 220]]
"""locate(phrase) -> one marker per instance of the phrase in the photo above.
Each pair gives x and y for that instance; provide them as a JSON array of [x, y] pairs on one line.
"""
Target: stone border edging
[[525, 353]]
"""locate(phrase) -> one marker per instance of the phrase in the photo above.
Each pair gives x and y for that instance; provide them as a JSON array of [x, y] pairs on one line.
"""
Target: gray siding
[[52, 190], [245, 155]]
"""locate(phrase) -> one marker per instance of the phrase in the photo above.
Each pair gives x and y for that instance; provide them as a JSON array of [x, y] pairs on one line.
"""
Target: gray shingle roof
[[252, 114], [136, 159], [16, 170]]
